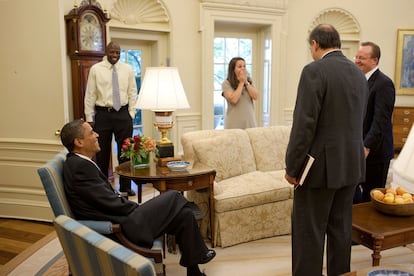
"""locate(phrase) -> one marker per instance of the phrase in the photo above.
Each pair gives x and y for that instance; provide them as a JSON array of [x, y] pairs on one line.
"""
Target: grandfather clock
[[86, 43]]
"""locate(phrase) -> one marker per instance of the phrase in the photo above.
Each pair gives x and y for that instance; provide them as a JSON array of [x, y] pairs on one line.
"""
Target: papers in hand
[[305, 169]]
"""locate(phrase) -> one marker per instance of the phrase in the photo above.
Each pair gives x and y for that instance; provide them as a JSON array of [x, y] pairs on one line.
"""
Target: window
[[267, 87], [134, 58]]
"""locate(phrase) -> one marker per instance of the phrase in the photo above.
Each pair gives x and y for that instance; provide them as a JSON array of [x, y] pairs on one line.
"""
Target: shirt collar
[[86, 158], [330, 51], [107, 63], [369, 74], [83, 156]]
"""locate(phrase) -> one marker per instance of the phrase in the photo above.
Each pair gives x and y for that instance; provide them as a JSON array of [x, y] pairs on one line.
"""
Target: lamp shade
[[162, 90], [403, 166]]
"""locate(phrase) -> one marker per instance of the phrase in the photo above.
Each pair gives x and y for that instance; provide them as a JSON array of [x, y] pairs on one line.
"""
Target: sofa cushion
[[229, 156], [188, 138], [269, 146], [250, 189], [280, 174]]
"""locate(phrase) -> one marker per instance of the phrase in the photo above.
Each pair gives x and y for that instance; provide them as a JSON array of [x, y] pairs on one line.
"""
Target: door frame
[[273, 21]]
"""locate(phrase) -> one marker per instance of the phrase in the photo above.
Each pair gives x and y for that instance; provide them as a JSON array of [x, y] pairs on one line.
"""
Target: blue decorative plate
[[178, 166], [389, 272]]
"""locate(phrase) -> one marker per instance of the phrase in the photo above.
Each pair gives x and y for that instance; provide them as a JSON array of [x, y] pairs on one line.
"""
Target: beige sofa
[[252, 198]]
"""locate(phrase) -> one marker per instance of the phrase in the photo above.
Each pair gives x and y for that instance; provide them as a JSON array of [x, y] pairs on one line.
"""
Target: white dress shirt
[[99, 87]]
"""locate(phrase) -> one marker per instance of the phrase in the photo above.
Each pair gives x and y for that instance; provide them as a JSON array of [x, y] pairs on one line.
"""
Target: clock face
[[90, 33]]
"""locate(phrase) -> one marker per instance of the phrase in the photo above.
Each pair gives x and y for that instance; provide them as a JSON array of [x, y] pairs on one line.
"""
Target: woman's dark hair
[[326, 36], [231, 76], [69, 132]]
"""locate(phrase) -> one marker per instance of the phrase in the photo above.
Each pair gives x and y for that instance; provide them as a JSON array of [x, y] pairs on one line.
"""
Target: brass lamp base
[[164, 123], [164, 139]]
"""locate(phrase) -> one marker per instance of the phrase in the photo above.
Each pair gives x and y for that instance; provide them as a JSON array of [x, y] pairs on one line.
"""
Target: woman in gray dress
[[239, 92]]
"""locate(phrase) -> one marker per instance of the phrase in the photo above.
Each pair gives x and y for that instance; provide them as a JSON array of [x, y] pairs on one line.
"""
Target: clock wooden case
[[86, 43]]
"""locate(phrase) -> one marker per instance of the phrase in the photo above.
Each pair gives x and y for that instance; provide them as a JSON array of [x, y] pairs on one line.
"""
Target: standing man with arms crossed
[[378, 137], [327, 124], [110, 97]]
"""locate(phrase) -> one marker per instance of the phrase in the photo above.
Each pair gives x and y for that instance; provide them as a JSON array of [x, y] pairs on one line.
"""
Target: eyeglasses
[[361, 58]]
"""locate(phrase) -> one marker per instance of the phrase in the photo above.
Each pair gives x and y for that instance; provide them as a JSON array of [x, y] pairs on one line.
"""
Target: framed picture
[[404, 64]]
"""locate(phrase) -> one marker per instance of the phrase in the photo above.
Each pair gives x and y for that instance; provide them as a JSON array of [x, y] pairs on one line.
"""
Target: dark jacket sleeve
[[328, 123], [89, 193], [378, 120], [305, 118]]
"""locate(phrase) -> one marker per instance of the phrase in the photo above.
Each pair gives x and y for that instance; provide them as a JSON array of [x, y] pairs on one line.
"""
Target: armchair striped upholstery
[[51, 175], [89, 253]]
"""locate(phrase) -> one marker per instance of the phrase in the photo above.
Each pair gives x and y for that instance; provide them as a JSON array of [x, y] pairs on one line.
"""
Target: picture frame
[[404, 64]]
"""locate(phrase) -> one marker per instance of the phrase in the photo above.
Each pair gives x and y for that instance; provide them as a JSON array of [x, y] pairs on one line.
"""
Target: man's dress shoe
[[131, 193], [208, 257]]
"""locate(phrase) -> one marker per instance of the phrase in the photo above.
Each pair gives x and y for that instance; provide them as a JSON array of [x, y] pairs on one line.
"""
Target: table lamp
[[403, 166], [162, 92]]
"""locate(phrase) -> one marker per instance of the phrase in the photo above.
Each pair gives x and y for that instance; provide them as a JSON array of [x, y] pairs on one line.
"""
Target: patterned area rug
[[45, 257], [266, 257]]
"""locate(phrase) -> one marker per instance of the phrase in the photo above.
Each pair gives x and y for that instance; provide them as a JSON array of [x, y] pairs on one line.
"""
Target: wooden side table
[[378, 231], [196, 178]]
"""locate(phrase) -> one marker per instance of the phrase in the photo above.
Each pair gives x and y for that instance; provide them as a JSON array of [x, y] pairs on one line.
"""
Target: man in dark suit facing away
[[327, 124], [378, 138]]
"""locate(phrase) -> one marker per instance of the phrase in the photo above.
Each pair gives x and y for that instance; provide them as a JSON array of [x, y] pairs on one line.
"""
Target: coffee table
[[379, 231], [196, 178]]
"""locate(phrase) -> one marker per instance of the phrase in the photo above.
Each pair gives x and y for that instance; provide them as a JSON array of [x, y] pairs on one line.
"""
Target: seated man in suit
[[91, 196]]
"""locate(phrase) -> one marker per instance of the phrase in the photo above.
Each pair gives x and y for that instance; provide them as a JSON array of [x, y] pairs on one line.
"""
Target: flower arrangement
[[137, 149]]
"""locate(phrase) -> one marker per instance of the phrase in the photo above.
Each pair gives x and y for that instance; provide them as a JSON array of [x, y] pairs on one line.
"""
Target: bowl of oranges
[[391, 201]]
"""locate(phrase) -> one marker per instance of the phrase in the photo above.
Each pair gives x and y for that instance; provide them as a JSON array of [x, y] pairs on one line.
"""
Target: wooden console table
[[200, 177], [378, 231], [402, 121]]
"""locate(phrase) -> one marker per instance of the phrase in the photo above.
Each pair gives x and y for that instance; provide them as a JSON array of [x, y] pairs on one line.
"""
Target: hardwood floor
[[16, 235], [265, 257]]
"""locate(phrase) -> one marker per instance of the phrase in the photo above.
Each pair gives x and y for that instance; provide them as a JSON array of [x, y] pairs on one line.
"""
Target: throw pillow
[[221, 154]]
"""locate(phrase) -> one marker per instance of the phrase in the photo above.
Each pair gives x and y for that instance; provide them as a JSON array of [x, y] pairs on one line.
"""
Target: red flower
[[137, 139], [138, 147]]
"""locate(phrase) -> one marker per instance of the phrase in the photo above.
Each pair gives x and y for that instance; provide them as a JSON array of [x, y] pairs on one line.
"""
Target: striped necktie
[[116, 99]]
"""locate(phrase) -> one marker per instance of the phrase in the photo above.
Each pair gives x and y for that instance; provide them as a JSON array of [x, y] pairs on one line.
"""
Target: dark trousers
[[375, 177], [108, 123], [187, 234], [319, 214], [168, 213]]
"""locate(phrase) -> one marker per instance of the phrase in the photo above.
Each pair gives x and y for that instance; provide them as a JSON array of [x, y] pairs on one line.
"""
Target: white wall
[[33, 105], [378, 20]]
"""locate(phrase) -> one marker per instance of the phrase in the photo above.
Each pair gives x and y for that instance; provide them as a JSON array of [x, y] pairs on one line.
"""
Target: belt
[[109, 108]]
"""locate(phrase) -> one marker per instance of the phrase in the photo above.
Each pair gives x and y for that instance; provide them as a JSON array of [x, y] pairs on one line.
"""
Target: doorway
[[254, 45]]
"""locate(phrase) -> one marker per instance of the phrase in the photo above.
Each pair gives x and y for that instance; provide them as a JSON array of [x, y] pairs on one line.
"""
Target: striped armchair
[[89, 253], [52, 180]]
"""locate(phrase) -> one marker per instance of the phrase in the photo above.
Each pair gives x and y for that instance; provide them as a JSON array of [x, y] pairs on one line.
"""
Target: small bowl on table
[[178, 166], [395, 209]]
